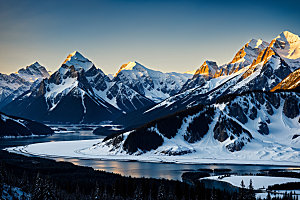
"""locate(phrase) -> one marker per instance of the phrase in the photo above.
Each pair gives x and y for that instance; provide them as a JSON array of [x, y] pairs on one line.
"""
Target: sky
[[170, 35]]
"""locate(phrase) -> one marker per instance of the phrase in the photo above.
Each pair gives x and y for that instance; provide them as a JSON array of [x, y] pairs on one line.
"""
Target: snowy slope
[[244, 57], [252, 127], [152, 84], [15, 127]]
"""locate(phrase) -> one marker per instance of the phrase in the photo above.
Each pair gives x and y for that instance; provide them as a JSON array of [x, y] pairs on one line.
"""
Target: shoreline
[[151, 159]]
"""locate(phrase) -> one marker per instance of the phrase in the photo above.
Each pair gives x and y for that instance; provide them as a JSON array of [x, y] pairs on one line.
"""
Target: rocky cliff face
[[205, 72], [291, 82]]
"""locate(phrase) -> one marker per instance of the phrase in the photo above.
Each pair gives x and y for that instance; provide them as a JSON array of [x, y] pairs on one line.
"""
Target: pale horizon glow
[[169, 36]]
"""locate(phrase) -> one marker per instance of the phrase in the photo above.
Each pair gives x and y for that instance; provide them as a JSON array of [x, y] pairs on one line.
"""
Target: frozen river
[[132, 168]]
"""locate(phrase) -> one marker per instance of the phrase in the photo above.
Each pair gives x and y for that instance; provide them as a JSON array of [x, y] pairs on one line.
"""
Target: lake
[[131, 168]]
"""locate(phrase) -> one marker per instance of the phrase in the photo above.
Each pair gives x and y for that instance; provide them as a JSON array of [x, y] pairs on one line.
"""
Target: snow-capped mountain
[[287, 45], [15, 84], [209, 69], [33, 72], [77, 92], [152, 84], [10, 83], [244, 57], [266, 71], [136, 91], [66, 96], [244, 127]]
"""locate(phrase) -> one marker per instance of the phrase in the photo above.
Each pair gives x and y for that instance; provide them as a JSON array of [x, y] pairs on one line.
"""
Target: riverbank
[[80, 149]]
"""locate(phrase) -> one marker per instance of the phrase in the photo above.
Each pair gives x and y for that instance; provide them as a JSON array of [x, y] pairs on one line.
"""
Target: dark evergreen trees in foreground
[[45, 179]]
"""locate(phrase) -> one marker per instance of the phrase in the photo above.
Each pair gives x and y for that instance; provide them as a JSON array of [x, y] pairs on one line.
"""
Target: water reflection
[[134, 169], [164, 170]]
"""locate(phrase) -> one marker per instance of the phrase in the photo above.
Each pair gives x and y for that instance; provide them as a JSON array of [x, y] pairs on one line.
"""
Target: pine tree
[[242, 191], [48, 190], [250, 193], [268, 196], [97, 194], [104, 194], [43, 189], [161, 195], [138, 193], [1, 181], [213, 195], [37, 189]]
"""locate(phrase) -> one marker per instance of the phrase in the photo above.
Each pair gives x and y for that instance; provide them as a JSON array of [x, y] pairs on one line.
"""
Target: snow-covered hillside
[[16, 127], [251, 127]]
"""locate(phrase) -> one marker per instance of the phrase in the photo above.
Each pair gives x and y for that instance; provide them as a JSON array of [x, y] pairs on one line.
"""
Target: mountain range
[[78, 92], [13, 85], [251, 100]]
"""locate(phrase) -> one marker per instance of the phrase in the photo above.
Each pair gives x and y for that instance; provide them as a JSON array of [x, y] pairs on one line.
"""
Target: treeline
[[144, 139], [45, 179]]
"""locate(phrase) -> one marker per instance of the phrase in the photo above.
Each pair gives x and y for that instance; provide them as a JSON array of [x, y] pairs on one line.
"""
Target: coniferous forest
[[44, 179]]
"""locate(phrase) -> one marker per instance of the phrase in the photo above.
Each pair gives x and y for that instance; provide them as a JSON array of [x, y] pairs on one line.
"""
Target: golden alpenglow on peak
[[128, 66], [208, 68]]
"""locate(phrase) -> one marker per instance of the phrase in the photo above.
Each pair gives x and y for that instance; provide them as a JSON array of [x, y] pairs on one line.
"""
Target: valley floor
[[90, 149]]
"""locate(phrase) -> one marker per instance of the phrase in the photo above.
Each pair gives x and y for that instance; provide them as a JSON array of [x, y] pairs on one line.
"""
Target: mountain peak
[[249, 52], [208, 68], [36, 63], [130, 66], [288, 37], [33, 72], [77, 60], [74, 55], [287, 45], [254, 43]]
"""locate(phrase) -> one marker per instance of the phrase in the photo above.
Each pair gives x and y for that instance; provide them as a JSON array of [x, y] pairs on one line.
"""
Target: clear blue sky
[[165, 35]]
